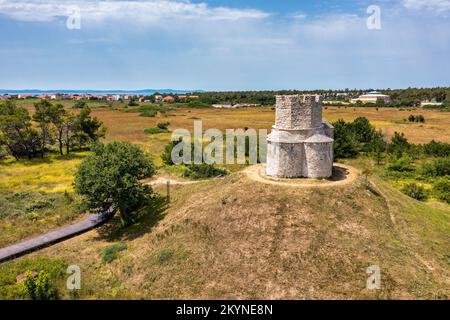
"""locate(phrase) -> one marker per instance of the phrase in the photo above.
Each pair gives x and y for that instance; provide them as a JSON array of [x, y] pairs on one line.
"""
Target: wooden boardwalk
[[58, 235]]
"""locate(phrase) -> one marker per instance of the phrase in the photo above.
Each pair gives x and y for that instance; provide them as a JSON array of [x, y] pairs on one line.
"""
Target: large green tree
[[110, 177], [58, 119], [16, 131], [44, 112]]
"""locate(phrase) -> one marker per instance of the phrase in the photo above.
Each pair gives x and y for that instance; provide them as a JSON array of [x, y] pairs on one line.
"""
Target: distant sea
[[137, 92]]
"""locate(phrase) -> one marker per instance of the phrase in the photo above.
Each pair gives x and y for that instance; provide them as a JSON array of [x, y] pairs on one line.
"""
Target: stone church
[[301, 143]]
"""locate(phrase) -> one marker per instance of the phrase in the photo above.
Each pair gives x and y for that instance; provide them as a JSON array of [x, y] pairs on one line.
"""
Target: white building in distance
[[372, 97]]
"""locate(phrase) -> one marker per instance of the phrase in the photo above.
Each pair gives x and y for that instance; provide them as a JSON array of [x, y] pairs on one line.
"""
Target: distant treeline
[[410, 97]]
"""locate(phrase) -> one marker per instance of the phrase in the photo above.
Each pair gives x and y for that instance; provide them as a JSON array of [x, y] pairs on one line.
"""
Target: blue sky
[[223, 44]]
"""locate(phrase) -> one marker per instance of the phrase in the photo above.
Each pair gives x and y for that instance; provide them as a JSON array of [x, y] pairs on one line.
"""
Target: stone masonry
[[301, 143]]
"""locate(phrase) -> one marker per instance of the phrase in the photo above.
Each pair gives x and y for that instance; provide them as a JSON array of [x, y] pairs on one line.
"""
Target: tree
[[110, 177], [69, 130], [16, 131], [88, 129], [363, 131], [80, 105], [43, 116], [344, 143], [399, 145], [377, 146], [58, 119]]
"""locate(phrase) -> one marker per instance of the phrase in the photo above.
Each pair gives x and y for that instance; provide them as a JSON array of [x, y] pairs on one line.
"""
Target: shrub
[[163, 125], [149, 113], [401, 164], [399, 145], [437, 168], [415, 191], [166, 156], [437, 149], [419, 118], [154, 130], [442, 189], [351, 138], [10, 288], [40, 287], [80, 105], [109, 254], [150, 110], [39, 204], [202, 171], [133, 103]]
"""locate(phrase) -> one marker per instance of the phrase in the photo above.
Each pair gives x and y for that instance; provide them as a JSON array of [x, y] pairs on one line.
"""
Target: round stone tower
[[300, 144]]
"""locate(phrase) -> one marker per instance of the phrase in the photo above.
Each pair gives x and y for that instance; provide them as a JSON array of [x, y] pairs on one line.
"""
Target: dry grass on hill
[[235, 238]]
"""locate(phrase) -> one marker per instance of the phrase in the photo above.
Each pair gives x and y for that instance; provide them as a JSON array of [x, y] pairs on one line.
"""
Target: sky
[[224, 44]]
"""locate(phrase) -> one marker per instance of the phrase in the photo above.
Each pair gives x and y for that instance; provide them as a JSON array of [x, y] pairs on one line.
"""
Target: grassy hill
[[236, 238]]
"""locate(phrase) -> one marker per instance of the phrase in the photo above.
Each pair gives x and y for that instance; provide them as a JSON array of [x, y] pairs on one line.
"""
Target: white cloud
[[143, 11], [298, 15], [437, 6]]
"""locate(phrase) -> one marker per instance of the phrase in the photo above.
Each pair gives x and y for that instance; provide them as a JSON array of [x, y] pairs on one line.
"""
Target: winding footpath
[[58, 235]]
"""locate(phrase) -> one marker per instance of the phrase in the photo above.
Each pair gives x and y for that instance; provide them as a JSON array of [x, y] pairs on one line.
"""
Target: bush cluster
[[203, 171], [419, 118]]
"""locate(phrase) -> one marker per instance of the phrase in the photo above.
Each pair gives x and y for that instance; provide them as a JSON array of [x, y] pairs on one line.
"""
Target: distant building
[[430, 104], [158, 97], [24, 96], [234, 106], [168, 99], [372, 97]]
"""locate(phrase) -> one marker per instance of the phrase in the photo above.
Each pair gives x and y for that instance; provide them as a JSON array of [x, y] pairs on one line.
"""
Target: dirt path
[[163, 181], [349, 175]]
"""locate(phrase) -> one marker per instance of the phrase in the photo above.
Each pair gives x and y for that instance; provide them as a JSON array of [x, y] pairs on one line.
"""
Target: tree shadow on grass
[[145, 219]]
